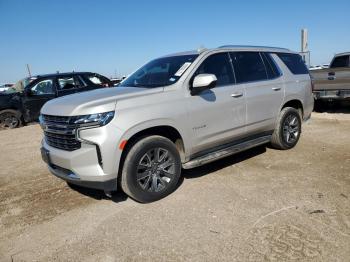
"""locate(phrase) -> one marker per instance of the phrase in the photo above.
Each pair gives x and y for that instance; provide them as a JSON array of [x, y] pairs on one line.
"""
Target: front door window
[[44, 87]]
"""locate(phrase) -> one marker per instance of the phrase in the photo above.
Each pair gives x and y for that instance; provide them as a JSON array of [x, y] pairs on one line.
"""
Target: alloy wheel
[[8, 121], [291, 129], [155, 170]]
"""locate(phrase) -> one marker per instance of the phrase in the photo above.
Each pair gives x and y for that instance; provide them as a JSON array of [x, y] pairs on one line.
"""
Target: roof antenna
[[29, 73]]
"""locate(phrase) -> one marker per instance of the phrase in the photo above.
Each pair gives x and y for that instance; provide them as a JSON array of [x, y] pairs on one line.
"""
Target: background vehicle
[[178, 111], [333, 83], [22, 102], [315, 67], [5, 87], [116, 81]]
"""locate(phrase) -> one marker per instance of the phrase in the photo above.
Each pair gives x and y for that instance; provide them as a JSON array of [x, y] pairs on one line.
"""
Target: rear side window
[[271, 68], [294, 62], [248, 67], [97, 79], [219, 65], [340, 61], [67, 82]]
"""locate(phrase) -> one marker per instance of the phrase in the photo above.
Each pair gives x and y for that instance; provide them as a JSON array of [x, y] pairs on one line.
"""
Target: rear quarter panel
[[297, 87]]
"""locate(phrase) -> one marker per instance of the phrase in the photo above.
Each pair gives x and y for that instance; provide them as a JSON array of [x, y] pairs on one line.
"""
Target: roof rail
[[341, 54], [252, 46]]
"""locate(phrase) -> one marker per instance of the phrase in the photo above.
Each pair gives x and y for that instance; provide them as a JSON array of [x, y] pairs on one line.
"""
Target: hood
[[6, 95], [95, 101]]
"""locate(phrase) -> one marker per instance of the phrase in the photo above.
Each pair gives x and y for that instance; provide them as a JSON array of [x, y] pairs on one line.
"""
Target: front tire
[[151, 169], [288, 129], [10, 119]]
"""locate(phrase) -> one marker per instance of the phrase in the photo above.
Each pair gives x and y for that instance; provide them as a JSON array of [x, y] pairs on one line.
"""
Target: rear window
[[294, 62], [340, 61]]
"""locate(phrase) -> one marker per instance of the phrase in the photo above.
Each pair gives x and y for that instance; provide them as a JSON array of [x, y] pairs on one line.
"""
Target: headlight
[[100, 119]]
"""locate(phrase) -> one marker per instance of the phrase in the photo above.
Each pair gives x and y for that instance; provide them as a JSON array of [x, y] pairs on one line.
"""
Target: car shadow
[[117, 196], [342, 107], [120, 196], [222, 163]]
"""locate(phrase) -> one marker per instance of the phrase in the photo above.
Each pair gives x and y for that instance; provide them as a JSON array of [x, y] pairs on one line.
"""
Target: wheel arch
[[16, 112], [295, 103], [167, 131]]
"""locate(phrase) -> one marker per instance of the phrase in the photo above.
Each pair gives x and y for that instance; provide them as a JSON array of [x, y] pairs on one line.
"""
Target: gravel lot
[[260, 205]]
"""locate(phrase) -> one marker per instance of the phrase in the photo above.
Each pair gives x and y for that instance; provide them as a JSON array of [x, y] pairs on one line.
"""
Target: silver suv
[[178, 111]]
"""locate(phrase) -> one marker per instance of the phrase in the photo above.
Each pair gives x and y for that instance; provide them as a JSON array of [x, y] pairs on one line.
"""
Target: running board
[[230, 150]]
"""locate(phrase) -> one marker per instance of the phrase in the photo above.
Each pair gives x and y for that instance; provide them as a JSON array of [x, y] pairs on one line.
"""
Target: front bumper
[[94, 165], [70, 177]]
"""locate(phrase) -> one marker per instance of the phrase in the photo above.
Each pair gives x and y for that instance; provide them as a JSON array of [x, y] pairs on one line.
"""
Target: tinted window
[[294, 62], [248, 67], [271, 68], [160, 72], [340, 61], [219, 65], [43, 87]]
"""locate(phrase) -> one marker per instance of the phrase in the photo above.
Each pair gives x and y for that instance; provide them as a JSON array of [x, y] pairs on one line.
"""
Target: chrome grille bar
[[60, 132]]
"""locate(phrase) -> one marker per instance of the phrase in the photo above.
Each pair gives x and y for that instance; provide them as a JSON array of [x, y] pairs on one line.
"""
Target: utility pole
[[304, 39], [29, 73], [305, 53]]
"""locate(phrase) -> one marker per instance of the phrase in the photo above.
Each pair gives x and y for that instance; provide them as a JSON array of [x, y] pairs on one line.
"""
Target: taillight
[[312, 83]]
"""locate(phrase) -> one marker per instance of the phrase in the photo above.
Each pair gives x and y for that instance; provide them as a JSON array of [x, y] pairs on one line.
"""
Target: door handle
[[276, 88], [236, 95]]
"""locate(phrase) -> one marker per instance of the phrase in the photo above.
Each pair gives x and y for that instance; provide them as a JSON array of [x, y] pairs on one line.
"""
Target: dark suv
[[22, 102]]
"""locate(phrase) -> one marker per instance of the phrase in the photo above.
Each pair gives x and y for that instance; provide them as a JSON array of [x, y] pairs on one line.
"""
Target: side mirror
[[203, 82]]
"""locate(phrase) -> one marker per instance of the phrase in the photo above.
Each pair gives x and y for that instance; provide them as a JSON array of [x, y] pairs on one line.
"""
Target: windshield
[[20, 85], [160, 72]]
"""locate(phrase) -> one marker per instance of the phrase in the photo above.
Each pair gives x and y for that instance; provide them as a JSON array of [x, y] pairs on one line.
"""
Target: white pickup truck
[[333, 83]]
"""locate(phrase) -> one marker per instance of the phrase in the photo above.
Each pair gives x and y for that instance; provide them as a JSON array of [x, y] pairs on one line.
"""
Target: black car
[[22, 102]]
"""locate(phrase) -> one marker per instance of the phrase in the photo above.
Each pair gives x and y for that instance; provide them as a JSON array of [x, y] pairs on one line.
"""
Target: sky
[[114, 38]]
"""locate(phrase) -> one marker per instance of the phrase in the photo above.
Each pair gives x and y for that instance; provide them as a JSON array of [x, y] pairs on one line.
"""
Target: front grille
[[57, 119], [60, 131]]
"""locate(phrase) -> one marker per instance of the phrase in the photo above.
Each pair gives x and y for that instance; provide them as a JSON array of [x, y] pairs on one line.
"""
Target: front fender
[[133, 130]]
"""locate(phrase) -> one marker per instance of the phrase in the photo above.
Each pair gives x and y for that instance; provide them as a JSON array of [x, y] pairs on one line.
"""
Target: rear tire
[[151, 169], [288, 129], [10, 119]]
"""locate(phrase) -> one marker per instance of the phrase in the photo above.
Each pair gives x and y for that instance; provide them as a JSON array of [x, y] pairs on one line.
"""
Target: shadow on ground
[[120, 196], [222, 163], [332, 107]]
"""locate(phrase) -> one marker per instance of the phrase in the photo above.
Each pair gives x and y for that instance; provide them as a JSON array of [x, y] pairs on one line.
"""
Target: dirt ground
[[260, 205]]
